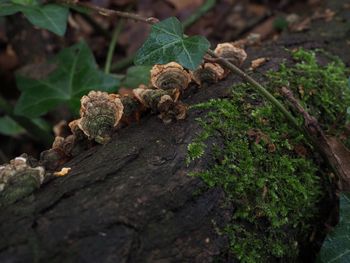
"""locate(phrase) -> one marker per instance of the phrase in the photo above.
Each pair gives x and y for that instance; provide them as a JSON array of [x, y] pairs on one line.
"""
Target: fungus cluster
[[102, 113]]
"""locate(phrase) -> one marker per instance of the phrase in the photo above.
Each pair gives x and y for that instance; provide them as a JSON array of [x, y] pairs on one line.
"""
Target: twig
[[112, 45], [109, 12], [311, 124], [203, 9], [334, 152], [37, 133], [257, 86]]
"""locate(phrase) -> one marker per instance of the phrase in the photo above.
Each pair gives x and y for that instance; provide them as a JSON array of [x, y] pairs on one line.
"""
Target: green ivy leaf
[[24, 2], [167, 43], [51, 17], [136, 75], [66, 79], [336, 247], [7, 9], [9, 127]]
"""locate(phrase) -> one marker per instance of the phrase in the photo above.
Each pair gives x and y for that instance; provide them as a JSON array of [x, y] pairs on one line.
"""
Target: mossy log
[[132, 199]]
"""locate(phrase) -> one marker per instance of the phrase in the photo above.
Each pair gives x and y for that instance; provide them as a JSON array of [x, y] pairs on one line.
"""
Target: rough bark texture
[[132, 199]]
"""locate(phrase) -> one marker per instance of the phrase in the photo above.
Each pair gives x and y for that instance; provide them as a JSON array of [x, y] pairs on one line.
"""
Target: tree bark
[[133, 200]]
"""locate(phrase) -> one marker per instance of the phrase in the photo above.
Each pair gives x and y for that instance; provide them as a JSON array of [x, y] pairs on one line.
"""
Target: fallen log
[[132, 200]]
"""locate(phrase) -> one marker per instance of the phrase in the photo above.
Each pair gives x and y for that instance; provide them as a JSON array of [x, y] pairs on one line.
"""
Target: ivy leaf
[[66, 79], [9, 127], [136, 75], [7, 9], [167, 43], [24, 2], [336, 247], [51, 17]]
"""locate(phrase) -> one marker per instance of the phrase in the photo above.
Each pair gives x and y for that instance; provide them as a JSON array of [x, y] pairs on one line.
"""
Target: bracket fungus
[[170, 76], [232, 52], [100, 113], [208, 73], [162, 101], [18, 179], [132, 109]]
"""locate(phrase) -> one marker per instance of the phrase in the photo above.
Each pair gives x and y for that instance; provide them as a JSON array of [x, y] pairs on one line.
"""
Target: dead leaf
[[64, 171], [301, 26], [133, 36], [292, 18], [122, 2], [342, 157], [327, 15], [271, 148], [257, 135], [185, 4], [8, 59], [258, 63], [257, 9], [301, 91], [300, 150], [265, 29]]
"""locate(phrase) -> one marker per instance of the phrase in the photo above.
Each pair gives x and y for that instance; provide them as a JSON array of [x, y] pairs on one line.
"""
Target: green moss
[[323, 90], [275, 189], [195, 150]]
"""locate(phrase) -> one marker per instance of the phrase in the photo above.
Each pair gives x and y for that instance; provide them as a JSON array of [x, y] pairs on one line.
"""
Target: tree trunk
[[133, 200]]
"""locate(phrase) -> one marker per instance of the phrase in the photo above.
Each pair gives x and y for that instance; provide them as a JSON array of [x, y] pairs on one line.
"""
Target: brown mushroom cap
[[170, 76], [100, 112], [232, 52], [208, 73]]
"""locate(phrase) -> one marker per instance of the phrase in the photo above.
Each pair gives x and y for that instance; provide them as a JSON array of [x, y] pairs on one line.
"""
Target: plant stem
[[257, 86], [204, 8], [108, 12], [37, 133], [112, 45], [123, 63]]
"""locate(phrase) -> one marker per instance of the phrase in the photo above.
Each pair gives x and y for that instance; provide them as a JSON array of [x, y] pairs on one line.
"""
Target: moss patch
[[264, 166], [322, 89]]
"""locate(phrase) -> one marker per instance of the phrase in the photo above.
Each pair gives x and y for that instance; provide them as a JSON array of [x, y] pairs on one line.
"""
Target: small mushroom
[[149, 97], [170, 76], [61, 129], [53, 158], [208, 73], [161, 101], [19, 179], [172, 111], [231, 52], [132, 109], [100, 113]]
